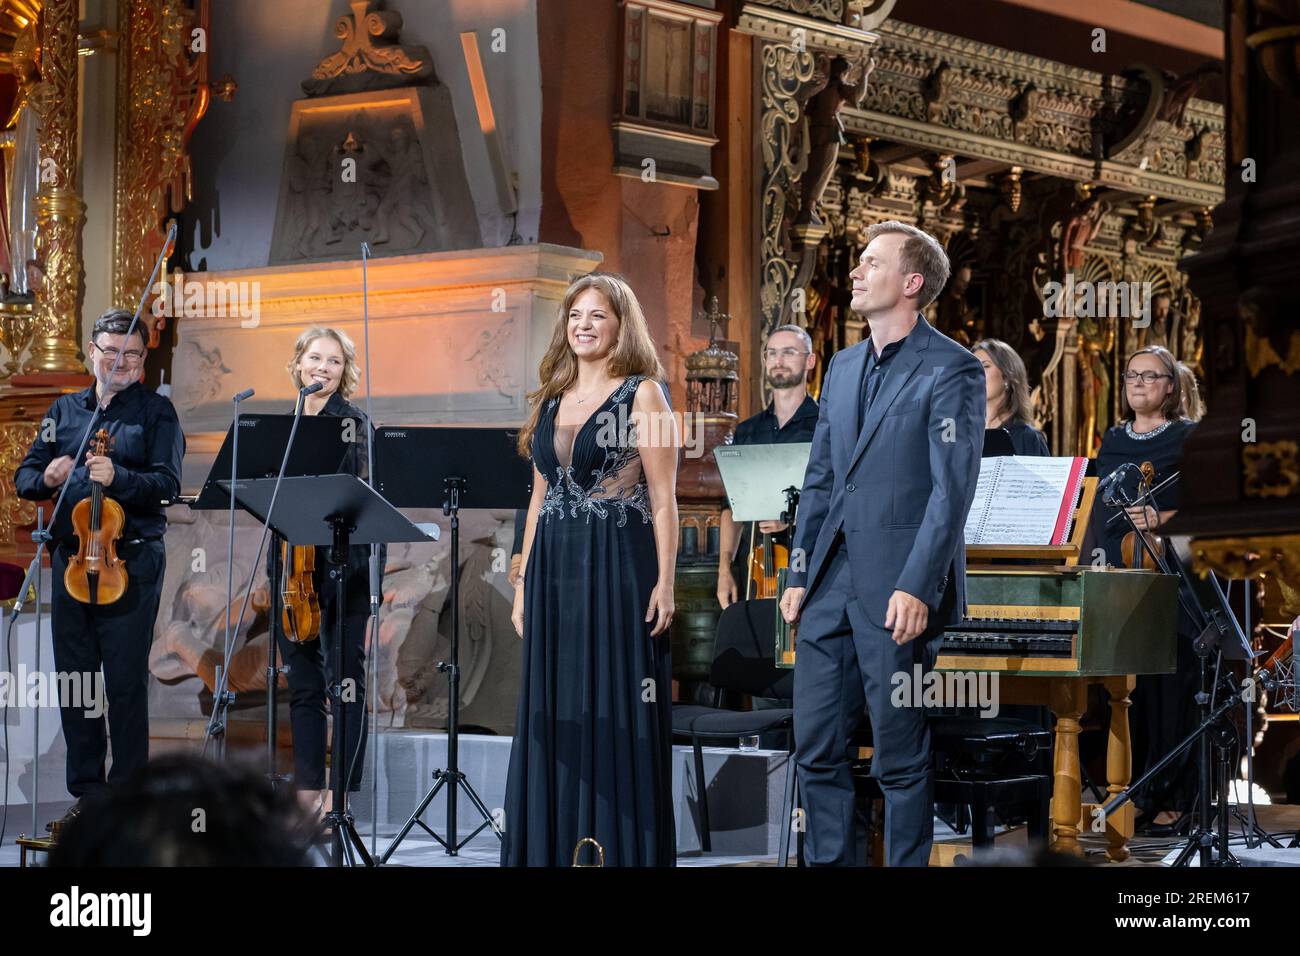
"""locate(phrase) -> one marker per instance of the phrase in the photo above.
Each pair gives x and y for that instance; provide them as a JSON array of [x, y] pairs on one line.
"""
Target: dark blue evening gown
[[593, 733]]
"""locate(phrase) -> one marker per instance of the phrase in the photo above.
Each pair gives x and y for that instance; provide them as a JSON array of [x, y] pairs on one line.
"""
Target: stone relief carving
[[371, 58]]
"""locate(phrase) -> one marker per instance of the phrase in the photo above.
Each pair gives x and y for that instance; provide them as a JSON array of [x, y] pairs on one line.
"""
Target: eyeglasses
[[1148, 377], [790, 353], [129, 357]]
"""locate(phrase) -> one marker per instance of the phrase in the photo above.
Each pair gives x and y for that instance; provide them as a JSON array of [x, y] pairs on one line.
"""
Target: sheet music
[[1020, 500]]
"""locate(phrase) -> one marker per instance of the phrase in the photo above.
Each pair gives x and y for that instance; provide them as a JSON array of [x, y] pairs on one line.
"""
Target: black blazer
[[900, 488]]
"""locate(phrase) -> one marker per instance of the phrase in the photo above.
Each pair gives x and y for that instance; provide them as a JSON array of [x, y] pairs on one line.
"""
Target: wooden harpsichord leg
[[1069, 699], [1119, 766]]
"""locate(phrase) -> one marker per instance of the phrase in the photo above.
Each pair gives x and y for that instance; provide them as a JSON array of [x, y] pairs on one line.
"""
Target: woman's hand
[[1145, 517], [517, 612], [661, 608]]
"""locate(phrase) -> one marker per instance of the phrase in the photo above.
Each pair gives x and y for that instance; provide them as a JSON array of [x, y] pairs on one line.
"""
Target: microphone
[[1107, 485], [246, 393], [365, 250], [311, 389], [169, 245]]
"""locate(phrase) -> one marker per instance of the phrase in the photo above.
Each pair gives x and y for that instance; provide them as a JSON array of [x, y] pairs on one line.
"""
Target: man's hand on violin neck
[[57, 471], [100, 469]]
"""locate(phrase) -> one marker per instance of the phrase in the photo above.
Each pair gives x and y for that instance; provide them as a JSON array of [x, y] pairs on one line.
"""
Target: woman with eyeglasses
[[1164, 405]]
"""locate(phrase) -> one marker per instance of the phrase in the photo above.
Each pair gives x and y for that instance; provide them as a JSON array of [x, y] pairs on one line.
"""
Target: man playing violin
[[790, 418], [141, 470]]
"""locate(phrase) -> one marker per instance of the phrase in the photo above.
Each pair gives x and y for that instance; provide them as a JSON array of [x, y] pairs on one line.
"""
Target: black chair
[[744, 662], [985, 762]]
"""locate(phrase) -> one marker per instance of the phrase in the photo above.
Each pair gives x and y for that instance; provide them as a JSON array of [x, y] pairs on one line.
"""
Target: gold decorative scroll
[[785, 72], [162, 94], [1274, 559], [831, 10], [1272, 468], [15, 513], [59, 210]]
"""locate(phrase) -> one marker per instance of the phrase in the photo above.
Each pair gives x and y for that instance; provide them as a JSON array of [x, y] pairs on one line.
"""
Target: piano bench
[[983, 743], [1032, 793], [998, 762]]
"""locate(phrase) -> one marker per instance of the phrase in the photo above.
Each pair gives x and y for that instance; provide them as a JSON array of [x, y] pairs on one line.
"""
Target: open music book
[[1025, 500]]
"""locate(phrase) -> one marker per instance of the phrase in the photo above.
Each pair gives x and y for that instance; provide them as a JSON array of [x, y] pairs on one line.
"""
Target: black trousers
[[310, 672], [1163, 713], [115, 638], [847, 662]]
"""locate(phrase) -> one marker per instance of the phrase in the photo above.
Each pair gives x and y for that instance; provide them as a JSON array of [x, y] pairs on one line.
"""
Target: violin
[[96, 575], [765, 563], [1133, 552], [300, 611]]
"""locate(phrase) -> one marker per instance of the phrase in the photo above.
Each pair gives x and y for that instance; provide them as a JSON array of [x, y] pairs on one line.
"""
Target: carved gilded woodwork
[[15, 512], [162, 94], [15, 333], [59, 209], [1271, 468], [785, 72], [1275, 560], [956, 95], [831, 10], [953, 97], [1261, 353]]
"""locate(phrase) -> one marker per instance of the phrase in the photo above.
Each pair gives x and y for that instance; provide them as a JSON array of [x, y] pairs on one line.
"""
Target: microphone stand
[[272, 669], [42, 535], [376, 572], [222, 698], [1213, 628]]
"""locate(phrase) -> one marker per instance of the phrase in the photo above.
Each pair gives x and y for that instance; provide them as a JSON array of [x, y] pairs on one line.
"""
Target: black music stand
[[339, 511], [318, 449], [258, 451], [451, 468]]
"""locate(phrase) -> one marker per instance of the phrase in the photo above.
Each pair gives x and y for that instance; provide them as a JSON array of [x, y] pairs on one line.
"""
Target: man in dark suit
[[879, 567]]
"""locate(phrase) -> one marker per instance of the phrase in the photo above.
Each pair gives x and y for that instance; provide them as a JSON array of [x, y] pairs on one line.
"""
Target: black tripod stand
[[1220, 636], [476, 468], [452, 777], [353, 511], [344, 839], [1212, 831]]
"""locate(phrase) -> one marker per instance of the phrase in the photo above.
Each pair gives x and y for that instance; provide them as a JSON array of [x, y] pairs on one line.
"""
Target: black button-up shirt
[[146, 447], [873, 375], [764, 429]]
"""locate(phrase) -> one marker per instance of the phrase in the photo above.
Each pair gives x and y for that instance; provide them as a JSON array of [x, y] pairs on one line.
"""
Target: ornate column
[[59, 209], [162, 94]]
